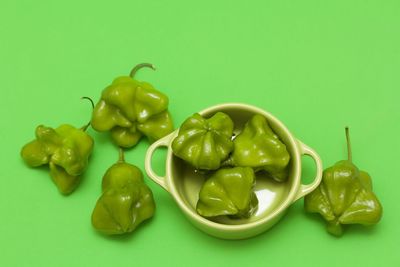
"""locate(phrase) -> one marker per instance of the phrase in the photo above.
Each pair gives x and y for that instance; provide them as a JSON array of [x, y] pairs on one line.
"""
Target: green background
[[316, 65]]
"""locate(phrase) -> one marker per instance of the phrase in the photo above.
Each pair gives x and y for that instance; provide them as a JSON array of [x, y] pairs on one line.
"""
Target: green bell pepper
[[228, 191], [344, 196], [257, 146], [129, 109], [126, 200], [66, 149], [204, 143]]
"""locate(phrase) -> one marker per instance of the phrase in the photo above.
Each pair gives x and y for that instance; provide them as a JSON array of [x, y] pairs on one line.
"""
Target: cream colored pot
[[184, 183]]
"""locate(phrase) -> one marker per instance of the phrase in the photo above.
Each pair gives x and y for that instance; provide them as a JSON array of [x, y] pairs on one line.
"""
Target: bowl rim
[[295, 154]]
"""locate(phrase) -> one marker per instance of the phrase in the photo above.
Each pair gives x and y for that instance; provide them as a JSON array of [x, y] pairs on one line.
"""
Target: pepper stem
[[139, 66], [349, 154], [121, 155], [84, 128]]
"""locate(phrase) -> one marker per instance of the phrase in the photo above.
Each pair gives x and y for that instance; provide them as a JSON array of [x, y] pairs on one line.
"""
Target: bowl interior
[[271, 194]]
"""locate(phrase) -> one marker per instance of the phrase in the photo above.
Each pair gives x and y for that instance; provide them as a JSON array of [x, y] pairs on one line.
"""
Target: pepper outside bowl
[[184, 182]]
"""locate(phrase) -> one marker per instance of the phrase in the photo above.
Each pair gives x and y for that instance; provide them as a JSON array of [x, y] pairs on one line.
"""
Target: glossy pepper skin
[[129, 109], [204, 143], [66, 149], [126, 200], [228, 191], [257, 146], [344, 197]]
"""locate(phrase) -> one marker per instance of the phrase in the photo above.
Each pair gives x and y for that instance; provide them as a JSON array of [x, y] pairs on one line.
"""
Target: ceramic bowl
[[184, 183]]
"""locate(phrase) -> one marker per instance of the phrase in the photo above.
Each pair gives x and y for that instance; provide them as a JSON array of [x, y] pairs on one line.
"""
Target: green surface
[[317, 66]]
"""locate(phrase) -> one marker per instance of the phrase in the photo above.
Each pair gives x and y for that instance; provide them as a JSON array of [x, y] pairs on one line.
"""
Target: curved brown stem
[[139, 66], [84, 128]]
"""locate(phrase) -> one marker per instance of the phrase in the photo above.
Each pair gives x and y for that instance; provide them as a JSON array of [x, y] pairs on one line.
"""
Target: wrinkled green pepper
[[204, 143], [257, 146], [129, 109], [228, 191], [66, 149], [126, 200], [344, 197]]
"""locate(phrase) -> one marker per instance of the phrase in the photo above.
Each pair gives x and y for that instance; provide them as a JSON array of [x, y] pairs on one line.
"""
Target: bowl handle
[[165, 141], [306, 189]]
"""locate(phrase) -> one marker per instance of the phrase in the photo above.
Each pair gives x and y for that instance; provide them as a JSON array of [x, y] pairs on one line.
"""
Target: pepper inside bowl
[[183, 182]]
